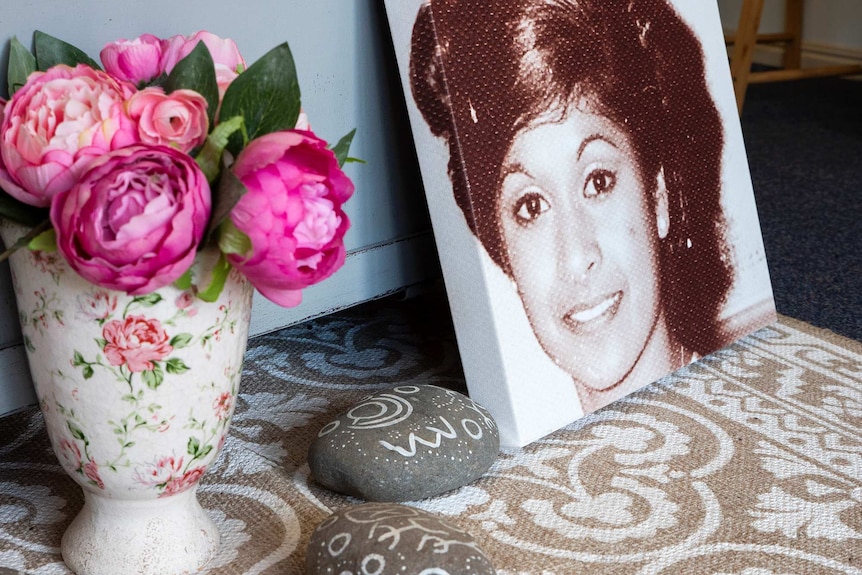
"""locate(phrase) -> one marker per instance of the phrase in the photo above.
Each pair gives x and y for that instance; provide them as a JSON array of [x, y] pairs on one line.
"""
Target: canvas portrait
[[589, 195]]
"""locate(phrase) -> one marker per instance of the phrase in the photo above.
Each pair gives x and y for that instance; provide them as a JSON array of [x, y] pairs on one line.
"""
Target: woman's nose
[[578, 251]]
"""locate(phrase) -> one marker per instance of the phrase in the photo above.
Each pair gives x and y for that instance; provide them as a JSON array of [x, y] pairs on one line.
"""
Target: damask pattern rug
[[748, 462]]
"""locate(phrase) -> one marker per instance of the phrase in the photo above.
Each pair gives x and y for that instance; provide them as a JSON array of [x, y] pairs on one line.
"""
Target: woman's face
[[581, 234]]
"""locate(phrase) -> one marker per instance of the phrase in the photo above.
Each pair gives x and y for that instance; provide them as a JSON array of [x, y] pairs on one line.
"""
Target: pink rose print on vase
[[184, 302], [70, 454], [91, 470], [136, 342], [160, 472], [98, 305], [222, 405], [179, 484]]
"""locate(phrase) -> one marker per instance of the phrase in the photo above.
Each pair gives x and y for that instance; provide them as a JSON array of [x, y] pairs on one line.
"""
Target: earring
[[663, 226]]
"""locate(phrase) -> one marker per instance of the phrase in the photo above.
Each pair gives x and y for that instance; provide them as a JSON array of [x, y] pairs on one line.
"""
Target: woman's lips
[[579, 317]]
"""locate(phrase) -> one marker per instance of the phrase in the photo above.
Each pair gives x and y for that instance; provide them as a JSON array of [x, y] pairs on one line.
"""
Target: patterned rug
[[748, 462]]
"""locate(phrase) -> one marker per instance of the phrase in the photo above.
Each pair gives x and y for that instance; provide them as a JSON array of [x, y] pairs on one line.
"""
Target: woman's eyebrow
[[514, 168], [592, 138]]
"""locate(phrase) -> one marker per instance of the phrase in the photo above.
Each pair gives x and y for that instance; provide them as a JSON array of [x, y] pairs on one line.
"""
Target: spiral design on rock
[[381, 410]]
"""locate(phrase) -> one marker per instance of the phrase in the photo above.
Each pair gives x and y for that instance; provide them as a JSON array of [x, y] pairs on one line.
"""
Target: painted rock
[[392, 538], [404, 444]]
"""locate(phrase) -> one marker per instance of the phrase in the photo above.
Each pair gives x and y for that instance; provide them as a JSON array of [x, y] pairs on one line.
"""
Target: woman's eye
[[529, 207], [599, 182]]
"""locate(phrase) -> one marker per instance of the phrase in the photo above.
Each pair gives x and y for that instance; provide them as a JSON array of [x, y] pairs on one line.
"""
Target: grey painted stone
[[380, 538], [404, 444]]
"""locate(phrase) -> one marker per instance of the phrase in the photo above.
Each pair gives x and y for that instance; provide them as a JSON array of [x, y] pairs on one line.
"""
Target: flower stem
[[22, 242]]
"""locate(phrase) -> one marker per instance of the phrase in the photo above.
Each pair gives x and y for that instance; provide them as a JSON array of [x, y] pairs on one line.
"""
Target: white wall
[[348, 79]]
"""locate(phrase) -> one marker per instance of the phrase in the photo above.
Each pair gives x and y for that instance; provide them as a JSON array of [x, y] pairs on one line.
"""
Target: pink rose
[[134, 220], [135, 342], [70, 453], [136, 61], [180, 484], [159, 472], [178, 119], [98, 305], [222, 405], [292, 213], [55, 125], [225, 54], [185, 299], [91, 470]]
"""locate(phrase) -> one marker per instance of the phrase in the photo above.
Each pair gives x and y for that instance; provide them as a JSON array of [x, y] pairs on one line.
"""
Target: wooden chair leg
[[793, 28], [743, 48]]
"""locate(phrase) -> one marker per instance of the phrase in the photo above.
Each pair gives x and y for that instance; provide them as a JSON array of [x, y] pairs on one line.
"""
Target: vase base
[[166, 536]]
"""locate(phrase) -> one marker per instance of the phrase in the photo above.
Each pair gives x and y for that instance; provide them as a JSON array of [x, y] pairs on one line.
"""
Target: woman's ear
[[662, 217]]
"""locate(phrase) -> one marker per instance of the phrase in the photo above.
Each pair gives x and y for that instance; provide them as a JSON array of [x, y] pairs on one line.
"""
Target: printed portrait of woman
[[586, 157]]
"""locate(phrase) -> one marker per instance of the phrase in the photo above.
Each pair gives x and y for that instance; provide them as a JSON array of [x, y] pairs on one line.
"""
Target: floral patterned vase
[[137, 393]]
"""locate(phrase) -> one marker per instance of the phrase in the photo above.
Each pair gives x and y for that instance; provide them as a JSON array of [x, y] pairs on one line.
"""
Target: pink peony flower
[[135, 342], [55, 125], [91, 471], [180, 484], [292, 213], [225, 54], [134, 220], [178, 119], [134, 61]]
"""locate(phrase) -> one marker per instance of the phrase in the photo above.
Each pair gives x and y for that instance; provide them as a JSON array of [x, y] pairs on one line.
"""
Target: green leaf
[[205, 451], [232, 241], [184, 282], [44, 242], [153, 378], [349, 160], [266, 95], [209, 158], [51, 51], [148, 300], [228, 193], [176, 365], [193, 446], [12, 209], [101, 342], [78, 359], [219, 276], [21, 64], [343, 147], [196, 72], [76, 431], [180, 340], [88, 371]]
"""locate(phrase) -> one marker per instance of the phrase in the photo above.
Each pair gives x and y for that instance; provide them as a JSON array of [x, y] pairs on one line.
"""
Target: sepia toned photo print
[[589, 194]]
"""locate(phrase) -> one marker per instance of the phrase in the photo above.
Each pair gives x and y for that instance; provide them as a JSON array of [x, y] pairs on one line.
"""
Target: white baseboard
[[368, 273]]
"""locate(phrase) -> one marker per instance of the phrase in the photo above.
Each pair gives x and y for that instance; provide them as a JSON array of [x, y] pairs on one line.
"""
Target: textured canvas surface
[[588, 188], [748, 462]]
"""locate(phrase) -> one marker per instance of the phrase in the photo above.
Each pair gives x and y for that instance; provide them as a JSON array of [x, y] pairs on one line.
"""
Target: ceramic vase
[[137, 393]]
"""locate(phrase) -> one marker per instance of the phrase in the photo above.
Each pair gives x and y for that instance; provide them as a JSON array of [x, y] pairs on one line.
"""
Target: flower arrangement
[[130, 170]]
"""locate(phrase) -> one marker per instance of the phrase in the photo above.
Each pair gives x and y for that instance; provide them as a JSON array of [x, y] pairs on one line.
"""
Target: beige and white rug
[[748, 462]]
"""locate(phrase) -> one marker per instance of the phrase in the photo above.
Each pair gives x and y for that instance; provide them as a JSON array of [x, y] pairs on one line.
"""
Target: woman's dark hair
[[481, 70]]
